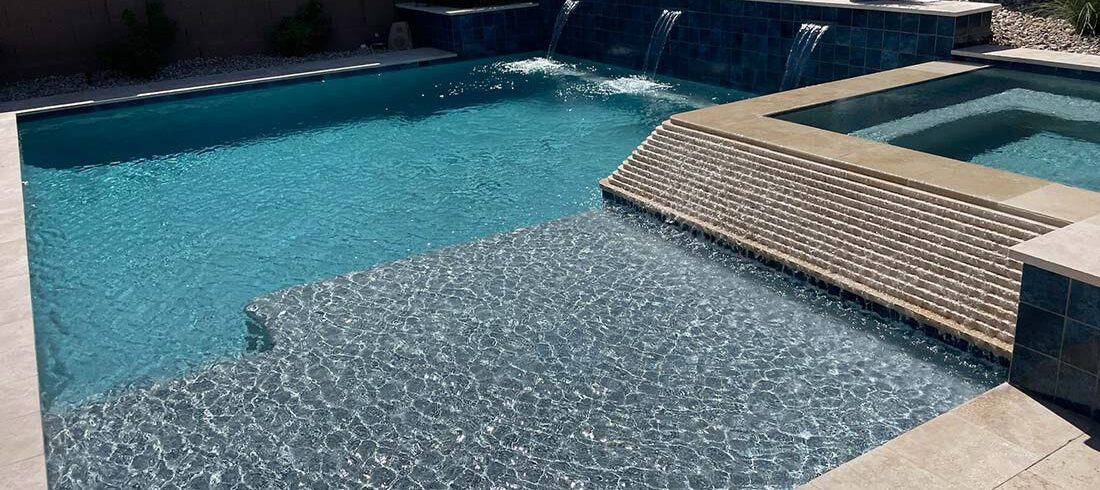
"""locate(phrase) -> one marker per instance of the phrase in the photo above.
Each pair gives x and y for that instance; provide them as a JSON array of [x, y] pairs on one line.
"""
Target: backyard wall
[[48, 37]]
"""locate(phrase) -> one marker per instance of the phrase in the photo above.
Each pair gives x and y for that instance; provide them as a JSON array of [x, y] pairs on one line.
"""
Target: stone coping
[[1016, 194], [1053, 59], [1002, 438], [22, 452], [452, 11], [1071, 251], [942, 8], [282, 73]]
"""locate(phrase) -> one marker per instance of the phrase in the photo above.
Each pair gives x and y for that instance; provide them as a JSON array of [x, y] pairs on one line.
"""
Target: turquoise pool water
[[1038, 125], [151, 226]]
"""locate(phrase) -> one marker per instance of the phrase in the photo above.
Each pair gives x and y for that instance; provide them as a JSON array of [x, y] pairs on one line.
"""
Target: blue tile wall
[[745, 43], [479, 34], [1057, 351]]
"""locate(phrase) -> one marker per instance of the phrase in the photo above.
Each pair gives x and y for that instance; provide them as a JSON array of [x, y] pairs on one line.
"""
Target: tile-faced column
[[1057, 346]]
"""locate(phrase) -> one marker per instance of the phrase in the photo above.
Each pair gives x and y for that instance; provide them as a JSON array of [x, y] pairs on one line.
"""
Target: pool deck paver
[[1001, 439], [946, 8], [22, 451], [292, 71], [22, 447], [1070, 251], [1042, 57]]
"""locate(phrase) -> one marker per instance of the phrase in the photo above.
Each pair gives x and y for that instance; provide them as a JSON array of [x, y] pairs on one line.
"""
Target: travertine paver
[[939, 7], [22, 463], [1002, 439], [933, 257], [1069, 251], [1071, 204], [1056, 59], [222, 80]]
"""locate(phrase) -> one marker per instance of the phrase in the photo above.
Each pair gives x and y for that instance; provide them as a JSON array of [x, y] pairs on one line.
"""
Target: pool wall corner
[[1057, 345]]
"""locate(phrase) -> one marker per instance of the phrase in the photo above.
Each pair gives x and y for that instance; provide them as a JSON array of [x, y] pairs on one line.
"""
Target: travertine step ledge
[[939, 260]]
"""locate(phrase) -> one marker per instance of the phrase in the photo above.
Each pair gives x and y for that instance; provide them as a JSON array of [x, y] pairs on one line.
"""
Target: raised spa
[[1038, 125]]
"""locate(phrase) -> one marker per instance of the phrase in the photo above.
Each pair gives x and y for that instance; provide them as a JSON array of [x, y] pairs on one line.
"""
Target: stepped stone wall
[[937, 259]]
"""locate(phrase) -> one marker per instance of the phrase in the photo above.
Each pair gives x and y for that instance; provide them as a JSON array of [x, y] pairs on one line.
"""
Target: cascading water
[[658, 40], [563, 16], [802, 50]]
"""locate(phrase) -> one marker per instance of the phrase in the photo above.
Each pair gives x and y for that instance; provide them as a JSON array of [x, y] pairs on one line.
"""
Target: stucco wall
[[44, 37]]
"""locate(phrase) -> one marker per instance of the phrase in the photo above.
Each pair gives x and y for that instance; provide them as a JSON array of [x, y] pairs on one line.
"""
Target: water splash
[[559, 24], [632, 85], [658, 40], [538, 65], [804, 44]]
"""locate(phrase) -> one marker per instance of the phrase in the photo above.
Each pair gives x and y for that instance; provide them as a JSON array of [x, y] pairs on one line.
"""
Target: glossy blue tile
[[1039, 329], [1075, 387], [1044, 289], [1084, 303], [1081, 346], [1033, 371]]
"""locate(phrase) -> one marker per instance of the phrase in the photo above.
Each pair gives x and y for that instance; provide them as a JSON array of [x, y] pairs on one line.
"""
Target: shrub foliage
[[142, 54], [1082, 14], [305, 32]]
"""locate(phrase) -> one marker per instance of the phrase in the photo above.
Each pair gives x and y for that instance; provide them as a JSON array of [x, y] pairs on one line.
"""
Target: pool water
[[1038, 125], [602, 350], [151, 226]]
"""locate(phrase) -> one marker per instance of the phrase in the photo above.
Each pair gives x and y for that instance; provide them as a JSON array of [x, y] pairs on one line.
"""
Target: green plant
[[1082, 14], [305, 32], [142, 54]]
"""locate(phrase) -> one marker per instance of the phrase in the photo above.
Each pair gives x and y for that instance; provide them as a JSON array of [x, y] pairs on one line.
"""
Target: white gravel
[[1018, 25], [54, 85]]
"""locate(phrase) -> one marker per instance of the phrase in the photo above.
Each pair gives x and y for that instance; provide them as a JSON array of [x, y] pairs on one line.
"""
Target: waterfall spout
[[559, 24], [658, 40], [801, 52]]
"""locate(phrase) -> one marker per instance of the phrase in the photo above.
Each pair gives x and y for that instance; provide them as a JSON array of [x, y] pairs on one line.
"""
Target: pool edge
[[1004, 436], [22, 443]]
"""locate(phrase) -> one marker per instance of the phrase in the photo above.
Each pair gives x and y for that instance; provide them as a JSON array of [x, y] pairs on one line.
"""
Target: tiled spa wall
[[745, 43], [1057, 351], [723, 42], [479, 32]]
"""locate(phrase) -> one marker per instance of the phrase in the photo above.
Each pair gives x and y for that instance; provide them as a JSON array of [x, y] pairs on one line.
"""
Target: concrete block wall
[[938, 260]]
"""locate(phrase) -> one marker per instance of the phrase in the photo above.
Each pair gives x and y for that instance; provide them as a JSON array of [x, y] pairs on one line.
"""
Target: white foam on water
[[538, 65], [634, 84], [1033, 101]]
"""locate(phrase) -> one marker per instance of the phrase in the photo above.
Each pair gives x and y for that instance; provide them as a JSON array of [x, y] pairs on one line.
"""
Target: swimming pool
[[151, 226], [592, 346], [1038, 125], [605, 349]]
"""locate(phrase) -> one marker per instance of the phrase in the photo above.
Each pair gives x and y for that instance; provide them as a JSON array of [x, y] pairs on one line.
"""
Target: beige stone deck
[[1054, 59], [1002, 439], [22, 456]]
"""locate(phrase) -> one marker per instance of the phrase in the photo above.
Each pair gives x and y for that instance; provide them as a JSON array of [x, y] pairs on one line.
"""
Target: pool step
[[937, 259]]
